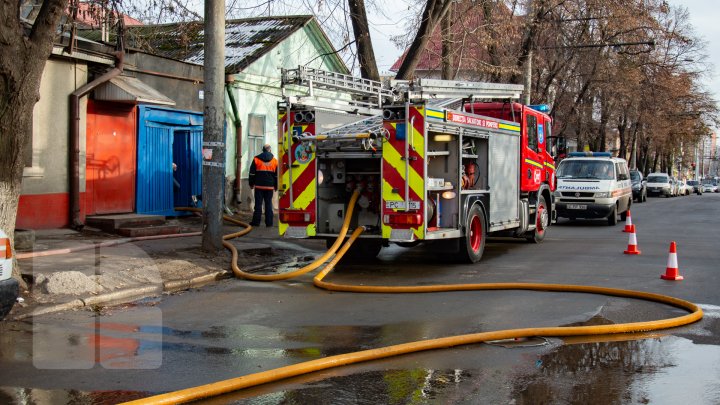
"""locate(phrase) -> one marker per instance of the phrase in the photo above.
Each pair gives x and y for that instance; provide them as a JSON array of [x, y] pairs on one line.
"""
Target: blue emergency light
[[590, 154], [543, 108]]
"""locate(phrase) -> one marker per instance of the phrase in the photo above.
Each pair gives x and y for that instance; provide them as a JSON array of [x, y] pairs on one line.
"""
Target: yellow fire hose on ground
[[264, 377]]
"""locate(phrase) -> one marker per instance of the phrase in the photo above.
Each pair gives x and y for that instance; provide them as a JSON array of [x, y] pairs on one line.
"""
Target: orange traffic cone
[[632, 243], [628, 222], [672, 272]]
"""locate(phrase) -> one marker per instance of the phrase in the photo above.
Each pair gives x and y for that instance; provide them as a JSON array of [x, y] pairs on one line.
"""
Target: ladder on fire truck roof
[[365, 93], [448, 92], [371, 126]]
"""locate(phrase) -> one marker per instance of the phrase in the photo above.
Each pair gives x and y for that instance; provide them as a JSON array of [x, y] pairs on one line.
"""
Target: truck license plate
[[577, 206], [400, 205]]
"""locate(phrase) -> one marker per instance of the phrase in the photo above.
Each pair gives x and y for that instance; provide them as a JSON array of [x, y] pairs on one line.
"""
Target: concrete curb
[[136, 293], [120, 296], [179, 285]]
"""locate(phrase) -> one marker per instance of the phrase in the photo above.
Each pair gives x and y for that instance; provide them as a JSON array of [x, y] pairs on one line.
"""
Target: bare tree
[[24, 49], [433, 13], [366, 55]]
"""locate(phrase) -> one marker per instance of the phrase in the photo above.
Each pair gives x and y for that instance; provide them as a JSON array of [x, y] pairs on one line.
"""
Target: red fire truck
[[434, 160]]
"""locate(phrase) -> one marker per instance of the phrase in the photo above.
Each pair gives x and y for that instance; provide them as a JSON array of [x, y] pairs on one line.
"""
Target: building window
[[256, 133]]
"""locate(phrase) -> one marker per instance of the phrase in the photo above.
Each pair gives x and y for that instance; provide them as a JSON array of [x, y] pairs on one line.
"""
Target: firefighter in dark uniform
[[263, 178]]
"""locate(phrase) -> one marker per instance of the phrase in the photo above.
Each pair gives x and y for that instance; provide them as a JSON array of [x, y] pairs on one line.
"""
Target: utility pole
[[213, 176], [528, 77], [527, 74]]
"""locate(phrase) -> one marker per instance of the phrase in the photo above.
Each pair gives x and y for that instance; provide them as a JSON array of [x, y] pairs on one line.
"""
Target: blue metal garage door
[[167, 136]]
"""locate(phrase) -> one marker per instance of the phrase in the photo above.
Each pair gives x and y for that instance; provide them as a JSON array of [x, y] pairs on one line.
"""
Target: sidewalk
[[103, 269]]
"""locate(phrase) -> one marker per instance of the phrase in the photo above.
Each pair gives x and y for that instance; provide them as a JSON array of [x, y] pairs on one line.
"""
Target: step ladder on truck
[[434, 160]]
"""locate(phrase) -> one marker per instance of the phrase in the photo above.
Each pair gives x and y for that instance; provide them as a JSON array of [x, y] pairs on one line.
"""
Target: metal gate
[[166, 137]]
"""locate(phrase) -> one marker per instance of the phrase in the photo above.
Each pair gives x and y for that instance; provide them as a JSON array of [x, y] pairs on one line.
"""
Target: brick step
[[136, 231], [111, 223]]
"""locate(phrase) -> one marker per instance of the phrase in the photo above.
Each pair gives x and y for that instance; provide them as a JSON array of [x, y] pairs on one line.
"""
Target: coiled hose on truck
[[264, 377]]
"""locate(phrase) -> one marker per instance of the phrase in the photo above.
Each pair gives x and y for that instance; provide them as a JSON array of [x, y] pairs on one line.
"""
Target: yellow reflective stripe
[[395, 160], [283, 227], [418, 139], [550, 165], [514, 128], [386, 231], [307, 196], [534, 163], [435, 114], [387, 193], [283, 140]]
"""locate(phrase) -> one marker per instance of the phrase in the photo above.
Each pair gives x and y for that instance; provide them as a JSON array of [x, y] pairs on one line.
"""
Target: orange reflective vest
[[263, 172]]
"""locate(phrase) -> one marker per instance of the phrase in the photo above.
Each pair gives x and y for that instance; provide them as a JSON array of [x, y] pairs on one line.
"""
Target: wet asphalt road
[[239, 327]]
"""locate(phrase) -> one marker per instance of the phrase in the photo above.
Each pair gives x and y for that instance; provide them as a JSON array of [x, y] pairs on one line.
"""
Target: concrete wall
[[257, 91], [177, 80], [44, 198]]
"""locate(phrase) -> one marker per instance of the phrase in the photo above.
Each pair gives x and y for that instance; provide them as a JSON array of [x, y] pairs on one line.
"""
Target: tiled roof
[[246, 40]]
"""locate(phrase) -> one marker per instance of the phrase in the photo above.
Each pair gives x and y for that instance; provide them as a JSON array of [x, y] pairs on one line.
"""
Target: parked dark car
[[696, 186], [639, 190]]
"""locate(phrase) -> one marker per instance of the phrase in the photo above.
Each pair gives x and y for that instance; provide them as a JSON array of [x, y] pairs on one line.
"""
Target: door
[[533, 170], [110, 158], [167, 136], [155, 173], [187, 171]]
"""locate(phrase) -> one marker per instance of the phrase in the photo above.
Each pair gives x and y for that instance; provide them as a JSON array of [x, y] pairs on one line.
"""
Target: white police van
[[593, 185], [8, 285]]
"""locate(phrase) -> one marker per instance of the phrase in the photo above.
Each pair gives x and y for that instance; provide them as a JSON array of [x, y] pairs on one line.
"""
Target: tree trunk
[[434, 11], [447, 46], [492, 49], [22, 61], [366, 54]]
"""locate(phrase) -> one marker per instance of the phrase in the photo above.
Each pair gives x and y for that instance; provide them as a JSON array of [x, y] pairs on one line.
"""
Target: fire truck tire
[[542, 221], [473, 245], [612, 218]]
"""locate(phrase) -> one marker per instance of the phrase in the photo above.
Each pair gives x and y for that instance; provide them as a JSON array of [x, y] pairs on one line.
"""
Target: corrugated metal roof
[[130, 89], [246, 40]]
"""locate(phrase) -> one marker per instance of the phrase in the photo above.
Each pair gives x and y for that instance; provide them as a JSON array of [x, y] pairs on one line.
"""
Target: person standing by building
[[263, 179]]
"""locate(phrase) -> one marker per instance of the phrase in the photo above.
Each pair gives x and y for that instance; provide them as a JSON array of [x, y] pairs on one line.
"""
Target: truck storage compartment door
[[503, 177]]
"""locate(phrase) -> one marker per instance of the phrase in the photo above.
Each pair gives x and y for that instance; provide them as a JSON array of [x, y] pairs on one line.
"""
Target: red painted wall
[[46, 211]]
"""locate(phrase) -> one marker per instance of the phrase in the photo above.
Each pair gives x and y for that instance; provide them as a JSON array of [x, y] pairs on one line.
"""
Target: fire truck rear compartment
[[338, 178]]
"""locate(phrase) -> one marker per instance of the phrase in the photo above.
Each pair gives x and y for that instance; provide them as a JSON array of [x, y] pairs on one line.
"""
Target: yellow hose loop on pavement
[[264, 377], [310, 267]]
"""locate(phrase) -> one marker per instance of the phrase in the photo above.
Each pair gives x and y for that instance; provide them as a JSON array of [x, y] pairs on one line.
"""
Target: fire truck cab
[[433, 160]]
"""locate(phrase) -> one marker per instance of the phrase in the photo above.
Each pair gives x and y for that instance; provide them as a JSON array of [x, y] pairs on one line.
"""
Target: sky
[[704, 16]]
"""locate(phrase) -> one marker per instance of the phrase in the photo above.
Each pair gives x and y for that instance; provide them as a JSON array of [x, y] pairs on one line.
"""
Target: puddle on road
[[652, 369], [13, 395], [660, 370]]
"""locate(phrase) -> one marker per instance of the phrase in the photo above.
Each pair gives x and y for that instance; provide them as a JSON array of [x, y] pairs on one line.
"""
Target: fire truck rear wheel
[[542, 221], [474, 241]]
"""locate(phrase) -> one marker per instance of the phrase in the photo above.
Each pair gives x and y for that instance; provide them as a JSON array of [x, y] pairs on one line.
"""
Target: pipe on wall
[[229, 80], [74, 141]]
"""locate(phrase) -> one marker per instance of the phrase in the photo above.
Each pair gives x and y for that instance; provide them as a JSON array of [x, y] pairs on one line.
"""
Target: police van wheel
[[612, 219], [542, 221], [474, 240]]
